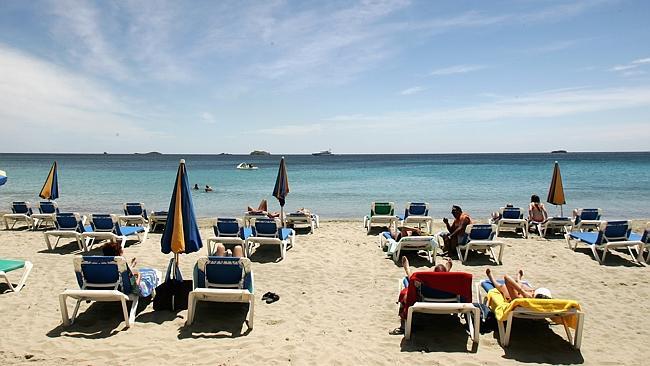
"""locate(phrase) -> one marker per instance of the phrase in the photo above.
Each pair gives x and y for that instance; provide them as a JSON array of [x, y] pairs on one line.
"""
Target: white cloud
[[642, 61], [630, 69], [413, 90], [64, 107], [456, 69], [208, 118]]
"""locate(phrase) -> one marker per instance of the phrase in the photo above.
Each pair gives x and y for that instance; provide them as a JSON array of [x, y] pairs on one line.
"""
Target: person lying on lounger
[[143, 281], [402, 295], [221, 251], [514, 288], [405, 231], [262, 209]]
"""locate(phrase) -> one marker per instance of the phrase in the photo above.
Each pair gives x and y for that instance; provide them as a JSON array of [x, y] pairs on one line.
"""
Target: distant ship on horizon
[[324, 152]]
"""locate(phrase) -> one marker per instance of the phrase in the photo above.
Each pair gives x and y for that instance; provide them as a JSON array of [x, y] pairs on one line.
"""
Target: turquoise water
[[338, 186]]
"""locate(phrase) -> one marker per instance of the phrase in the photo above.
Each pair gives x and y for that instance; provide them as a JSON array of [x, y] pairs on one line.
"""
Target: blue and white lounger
[[134, 214], [587, 219], [107, 227], [103, 278], [394, 249], [512, 218], [645, 243], [223, 279], [229, 232], [46, 216], [610, 235], [417, 213], [21, 211], [268, 231], [68, 225], [480, 237], [8, 265]]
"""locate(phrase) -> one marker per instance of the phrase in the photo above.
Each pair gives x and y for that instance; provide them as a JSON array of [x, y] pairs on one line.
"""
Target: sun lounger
[[107, 227], [9, 265], [645, 243], [157, 218], [47, 211], [68, 225], [394, 248], [587, 219], [440, 293], [268, 231], [552, 225], [382, 213], [134, 214], [21, 211], [101, 278], [480, 237], [512, 218], [251, 216], [565, 312], [610, 235], [228, 231], [417, 213], [303, 218], [222, 279]]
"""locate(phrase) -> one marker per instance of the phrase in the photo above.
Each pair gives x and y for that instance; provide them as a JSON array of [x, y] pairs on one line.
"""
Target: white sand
[[337, 305]]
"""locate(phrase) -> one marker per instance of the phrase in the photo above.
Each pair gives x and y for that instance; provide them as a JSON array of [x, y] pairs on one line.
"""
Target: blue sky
[[392, 76]]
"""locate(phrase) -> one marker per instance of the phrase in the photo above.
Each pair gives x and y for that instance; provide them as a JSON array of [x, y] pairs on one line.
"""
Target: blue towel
[[148, 281]]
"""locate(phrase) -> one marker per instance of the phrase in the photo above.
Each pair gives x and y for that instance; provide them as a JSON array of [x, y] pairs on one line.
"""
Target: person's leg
[[406, 266], [448, 264], [502, 288], [221, 250], [515, 289], [237, 251]]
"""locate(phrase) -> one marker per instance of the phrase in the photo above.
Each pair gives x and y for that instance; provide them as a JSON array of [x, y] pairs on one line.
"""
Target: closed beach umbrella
[[181, 231], [556, 190], [50, 190], [281, 189], [3, 177]]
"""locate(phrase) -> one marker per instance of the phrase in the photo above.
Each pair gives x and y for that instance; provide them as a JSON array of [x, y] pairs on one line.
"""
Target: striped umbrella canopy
[[3, 177], [556, 190], [50, 190], [181, 231], [281, 189]]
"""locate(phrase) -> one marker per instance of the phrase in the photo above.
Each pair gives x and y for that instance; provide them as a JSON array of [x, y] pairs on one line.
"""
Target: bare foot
[[448, 264], [488, 272], [520, 275]]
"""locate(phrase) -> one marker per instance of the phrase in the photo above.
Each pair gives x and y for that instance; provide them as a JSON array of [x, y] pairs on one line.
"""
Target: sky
[[295, 77]]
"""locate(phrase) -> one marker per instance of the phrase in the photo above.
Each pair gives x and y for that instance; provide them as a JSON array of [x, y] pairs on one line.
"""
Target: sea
[[338, 186]]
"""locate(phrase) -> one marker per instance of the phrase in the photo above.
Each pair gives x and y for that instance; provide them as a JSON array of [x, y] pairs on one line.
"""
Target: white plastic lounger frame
[[606, 243], [60, 233], [512, 223], [587, 224], [471, 313], [373, 218], [47, 218], [419, 219], [249, 218], [217, 293], [426, 244], [134, 220], [17, 217], [481, 245], [226, 239], [554, 223], [525, 313], [270, 239], [310, 219], [108, 233], [157, 218], [27, 267], [110, 294]]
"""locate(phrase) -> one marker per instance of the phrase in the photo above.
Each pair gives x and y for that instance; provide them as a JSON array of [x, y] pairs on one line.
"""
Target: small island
[[149, 153], [558, 152], [260, 152]]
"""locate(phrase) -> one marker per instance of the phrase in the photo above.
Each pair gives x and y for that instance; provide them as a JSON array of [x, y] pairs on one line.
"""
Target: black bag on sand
[[173, 293]]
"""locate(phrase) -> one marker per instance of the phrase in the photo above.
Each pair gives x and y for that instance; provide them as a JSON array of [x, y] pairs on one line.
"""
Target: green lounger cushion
[[383, 209], [7, 265]]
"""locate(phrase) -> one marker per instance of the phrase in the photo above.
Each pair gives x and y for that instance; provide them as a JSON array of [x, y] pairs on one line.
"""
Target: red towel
[[459, 283]]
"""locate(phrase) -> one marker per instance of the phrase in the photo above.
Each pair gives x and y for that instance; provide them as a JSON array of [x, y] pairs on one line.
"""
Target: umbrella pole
[[282, 215], [175, 266], [561, 213]]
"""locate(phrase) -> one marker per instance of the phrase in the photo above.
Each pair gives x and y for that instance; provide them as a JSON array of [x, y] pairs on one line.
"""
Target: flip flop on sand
[[272, 298], [397, 331], [267, 295]]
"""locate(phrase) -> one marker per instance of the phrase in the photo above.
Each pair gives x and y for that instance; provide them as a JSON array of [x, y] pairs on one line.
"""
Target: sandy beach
[[337, 305]]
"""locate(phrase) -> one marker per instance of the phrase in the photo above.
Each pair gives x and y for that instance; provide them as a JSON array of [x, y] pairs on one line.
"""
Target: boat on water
[[246, 166], [324, 152]]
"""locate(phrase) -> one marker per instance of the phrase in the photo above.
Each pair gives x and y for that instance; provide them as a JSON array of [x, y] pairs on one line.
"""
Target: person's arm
[[461, 228], [446, 222]]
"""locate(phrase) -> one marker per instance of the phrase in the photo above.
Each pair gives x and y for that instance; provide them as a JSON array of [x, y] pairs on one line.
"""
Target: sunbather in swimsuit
[[143, 281]]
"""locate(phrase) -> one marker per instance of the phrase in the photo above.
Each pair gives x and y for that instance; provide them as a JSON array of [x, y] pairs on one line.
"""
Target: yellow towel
[[502, 308]]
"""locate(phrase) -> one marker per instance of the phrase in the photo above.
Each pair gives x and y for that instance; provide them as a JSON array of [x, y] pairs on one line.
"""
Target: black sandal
[[267, 295], [272, 298]]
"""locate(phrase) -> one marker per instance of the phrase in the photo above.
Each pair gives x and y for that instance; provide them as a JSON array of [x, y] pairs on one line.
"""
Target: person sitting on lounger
[[456, 231], [402, 295], [536, 212], [143, 281], [514, 288]]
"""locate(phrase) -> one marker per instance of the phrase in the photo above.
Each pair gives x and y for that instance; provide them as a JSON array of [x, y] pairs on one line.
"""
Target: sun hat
[[542, 293]]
